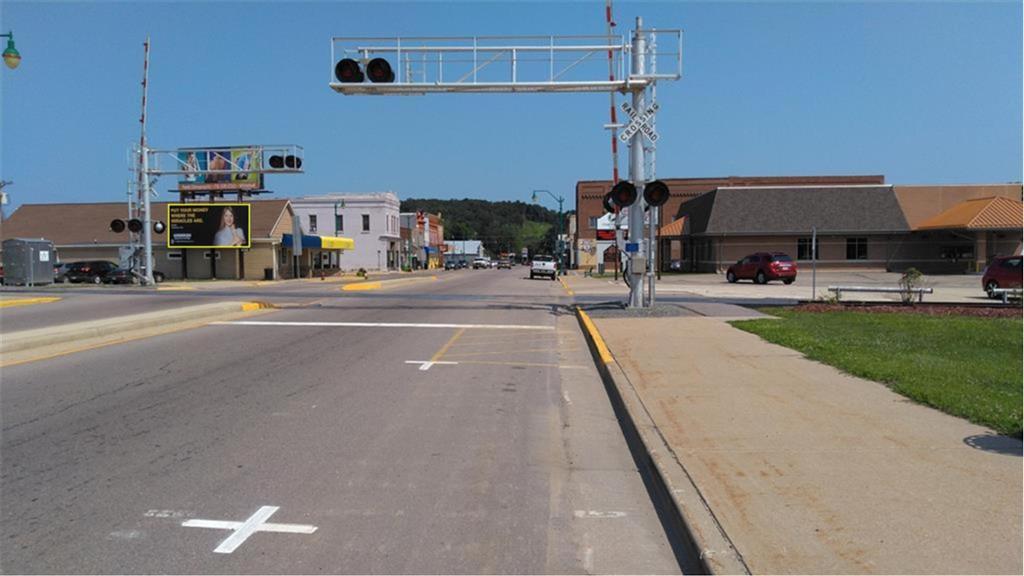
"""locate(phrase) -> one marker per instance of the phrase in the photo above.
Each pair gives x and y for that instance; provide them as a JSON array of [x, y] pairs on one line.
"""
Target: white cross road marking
[[384, 325], [242, 530], [426, 364]]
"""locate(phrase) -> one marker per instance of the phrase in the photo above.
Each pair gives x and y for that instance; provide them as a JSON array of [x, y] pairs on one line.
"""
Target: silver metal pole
[[147, 225], [636, 175]]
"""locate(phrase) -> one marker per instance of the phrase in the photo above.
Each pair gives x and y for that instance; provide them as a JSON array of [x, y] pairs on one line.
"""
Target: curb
[[691, 517], [120, 326], [386, 283]]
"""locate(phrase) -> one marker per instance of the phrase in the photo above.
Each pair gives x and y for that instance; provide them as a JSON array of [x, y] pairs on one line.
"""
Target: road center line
[[384, 325]]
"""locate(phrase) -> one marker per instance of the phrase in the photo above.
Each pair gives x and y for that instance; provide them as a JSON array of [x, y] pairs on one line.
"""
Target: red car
[[762, 267], [1002, 272]]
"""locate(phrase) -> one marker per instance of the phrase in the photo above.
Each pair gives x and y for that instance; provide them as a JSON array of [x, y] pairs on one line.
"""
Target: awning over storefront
[[675, 228], [321, 242], [995, 213]]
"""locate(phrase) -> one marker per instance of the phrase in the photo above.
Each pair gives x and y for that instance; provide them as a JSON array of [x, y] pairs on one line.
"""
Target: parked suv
[[763, 267], [89, 271], [1002, 272]]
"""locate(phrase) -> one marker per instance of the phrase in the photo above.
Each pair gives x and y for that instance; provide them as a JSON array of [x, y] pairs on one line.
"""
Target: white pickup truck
[[543, 266]]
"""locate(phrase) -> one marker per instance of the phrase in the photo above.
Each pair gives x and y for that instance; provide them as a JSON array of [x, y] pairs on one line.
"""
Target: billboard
[[208, 169], [220, 225]]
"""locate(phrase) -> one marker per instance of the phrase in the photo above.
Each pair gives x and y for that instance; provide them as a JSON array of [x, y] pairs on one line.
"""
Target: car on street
[[120, 276], [763, 267], [451, 265], [543, 265], [60, 272], [1002, 272], [675, 266], [89, 271], [480, 263], [504, 263]]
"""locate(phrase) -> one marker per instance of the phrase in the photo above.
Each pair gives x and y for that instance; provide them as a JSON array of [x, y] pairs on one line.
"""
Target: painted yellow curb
[[170, 288], [361, 286], [27, 301], [602, 348], [250, 306]]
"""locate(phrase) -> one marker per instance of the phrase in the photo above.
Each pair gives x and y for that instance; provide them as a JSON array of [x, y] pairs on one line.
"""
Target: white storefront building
[[370, 219]]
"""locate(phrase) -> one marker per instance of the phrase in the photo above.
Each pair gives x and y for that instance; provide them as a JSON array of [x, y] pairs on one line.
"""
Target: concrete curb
[[120, 326], [691, 516]]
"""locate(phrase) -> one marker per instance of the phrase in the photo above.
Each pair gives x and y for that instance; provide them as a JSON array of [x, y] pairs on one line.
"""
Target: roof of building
[[795, 210], [89, 223], [332, 197], [674, 228], [995, 213]]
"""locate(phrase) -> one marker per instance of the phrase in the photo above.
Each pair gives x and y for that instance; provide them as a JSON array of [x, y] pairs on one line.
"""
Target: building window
[[174, 255], [339, 222], [593, 222], [312, 223], [366, 222], [856, 248], [803, 248]]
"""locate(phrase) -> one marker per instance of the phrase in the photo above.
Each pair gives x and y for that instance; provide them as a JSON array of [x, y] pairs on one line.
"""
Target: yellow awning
[[337, 243]]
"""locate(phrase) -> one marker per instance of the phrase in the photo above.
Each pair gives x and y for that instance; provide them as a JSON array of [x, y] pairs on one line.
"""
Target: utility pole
[[635, 275], [144, 193]]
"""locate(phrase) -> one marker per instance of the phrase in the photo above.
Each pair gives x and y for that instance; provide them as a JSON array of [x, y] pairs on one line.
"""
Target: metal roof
[[995, 213]]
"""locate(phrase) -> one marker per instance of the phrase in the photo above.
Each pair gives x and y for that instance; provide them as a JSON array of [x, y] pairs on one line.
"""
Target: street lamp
[[561, 225], [11, 56]]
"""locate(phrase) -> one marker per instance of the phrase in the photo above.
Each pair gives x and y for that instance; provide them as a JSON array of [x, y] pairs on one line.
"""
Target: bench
[[1006, 294], [880, 289]]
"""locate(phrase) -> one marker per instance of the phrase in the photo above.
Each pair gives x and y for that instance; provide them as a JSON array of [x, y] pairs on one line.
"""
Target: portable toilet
[[28, 261]]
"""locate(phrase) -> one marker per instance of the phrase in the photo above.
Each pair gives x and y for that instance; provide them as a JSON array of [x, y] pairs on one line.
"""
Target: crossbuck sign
[[640, 122]]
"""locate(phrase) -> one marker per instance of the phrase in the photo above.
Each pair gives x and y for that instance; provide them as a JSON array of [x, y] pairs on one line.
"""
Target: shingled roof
[[795, 210], [83, 224], [995, 213]]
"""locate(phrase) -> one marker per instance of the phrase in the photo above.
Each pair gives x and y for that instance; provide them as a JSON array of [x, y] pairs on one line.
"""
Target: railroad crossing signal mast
[[531, 64]]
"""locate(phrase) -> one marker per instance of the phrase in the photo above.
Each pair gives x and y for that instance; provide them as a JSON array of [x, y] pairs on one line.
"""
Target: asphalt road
[[504, 456]]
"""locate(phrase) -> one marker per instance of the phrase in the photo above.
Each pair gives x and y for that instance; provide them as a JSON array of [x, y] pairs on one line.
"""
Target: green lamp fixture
[[11, 56]]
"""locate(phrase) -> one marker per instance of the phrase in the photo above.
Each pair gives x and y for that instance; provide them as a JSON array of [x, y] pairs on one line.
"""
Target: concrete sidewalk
[[808, 470]]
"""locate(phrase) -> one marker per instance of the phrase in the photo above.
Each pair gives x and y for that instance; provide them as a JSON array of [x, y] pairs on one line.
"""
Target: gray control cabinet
[[28, 261]]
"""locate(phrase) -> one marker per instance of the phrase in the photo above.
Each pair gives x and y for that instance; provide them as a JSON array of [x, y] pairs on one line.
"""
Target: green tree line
[[501, 226]]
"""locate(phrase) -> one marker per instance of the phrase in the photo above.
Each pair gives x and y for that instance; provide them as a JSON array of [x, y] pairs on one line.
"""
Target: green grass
[[964, 366]]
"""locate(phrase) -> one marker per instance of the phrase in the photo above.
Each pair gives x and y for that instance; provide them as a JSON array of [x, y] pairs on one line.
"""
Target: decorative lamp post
[[11, 56], [561, 226]]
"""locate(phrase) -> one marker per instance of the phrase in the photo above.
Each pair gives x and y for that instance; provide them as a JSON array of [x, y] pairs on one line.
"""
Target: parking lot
[[960, 288]]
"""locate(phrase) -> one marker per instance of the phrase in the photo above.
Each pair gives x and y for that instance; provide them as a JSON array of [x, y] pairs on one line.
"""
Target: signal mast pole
[[636, 175], [144, 195]]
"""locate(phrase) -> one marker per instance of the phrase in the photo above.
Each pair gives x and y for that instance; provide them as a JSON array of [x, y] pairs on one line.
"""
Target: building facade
[[82, 232], [590, 193], [423, 240], [463, 250], [371, 220]]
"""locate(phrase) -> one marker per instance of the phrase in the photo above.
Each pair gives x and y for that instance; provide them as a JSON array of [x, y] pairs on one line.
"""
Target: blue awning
[[321, 242]]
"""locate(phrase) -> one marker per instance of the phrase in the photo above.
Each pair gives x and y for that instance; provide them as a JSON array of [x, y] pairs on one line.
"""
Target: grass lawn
[[968, 367]]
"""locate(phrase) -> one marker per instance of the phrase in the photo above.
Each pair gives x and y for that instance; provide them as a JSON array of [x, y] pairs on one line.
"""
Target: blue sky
[[923, 92]]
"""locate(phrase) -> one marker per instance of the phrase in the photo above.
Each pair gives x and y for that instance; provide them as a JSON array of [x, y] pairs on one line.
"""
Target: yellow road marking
[[384, 284], [566, 286], [27, 301], [447, 345], [602, 348], [361, 286]]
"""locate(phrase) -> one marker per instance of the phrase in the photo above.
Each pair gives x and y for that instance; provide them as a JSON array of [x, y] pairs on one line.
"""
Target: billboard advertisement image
[[220, 225], [220, 169]]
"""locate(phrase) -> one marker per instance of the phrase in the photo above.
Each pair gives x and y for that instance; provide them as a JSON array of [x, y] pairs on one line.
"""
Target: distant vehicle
[[89, 271], [463, 264], [675, 266], [481, 263], [504, 263], [1002, 272], [451, 265], [492, 263], [763, 267], [543, 265], [126, 276], [60, 272], [120, 276]]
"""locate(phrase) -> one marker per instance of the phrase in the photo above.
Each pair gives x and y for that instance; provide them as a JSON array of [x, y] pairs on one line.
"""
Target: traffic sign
[[639, 123], [632, 247]]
